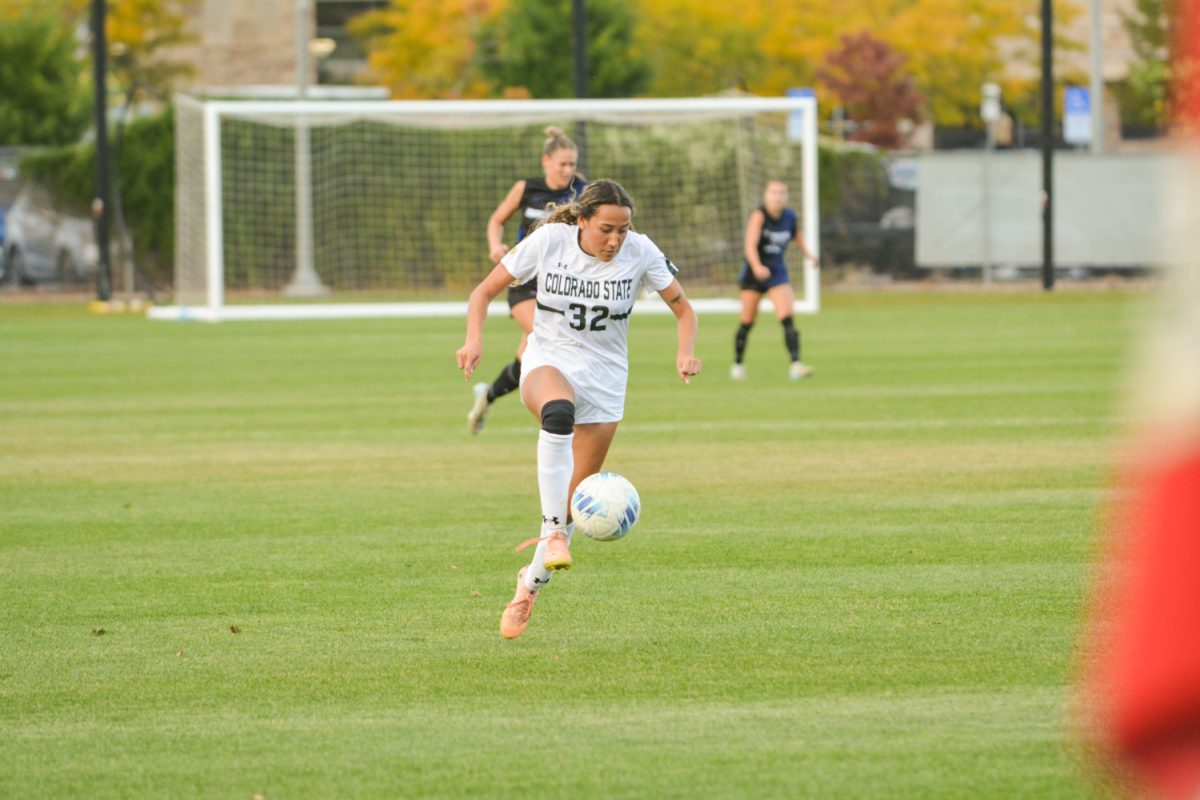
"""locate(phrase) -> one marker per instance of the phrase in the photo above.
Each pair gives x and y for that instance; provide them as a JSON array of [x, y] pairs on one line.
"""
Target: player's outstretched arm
[[686, 363], [495, 226], [799, 238], [477, 307]]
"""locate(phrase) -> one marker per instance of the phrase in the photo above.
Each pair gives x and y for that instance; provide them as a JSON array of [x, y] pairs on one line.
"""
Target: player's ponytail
[[566, 212], [556, 140], [603, 192]]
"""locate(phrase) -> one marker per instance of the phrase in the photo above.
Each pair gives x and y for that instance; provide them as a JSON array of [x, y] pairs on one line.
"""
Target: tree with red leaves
[[866, 74]]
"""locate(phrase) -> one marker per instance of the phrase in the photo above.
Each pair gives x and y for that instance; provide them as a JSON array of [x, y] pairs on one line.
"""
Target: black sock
[[508, 379], [791, 337], [739, 342]]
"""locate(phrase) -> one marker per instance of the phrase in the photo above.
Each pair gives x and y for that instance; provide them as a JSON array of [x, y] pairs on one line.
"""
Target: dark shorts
[[748, 283], [519, 294]]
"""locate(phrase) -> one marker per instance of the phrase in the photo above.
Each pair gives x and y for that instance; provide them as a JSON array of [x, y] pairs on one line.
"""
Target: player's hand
[[497, 252], [468, 358], [687, 366], [761, 274]]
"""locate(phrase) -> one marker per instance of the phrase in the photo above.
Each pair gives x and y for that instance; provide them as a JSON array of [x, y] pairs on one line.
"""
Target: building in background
[[348, 62], [240, 44]]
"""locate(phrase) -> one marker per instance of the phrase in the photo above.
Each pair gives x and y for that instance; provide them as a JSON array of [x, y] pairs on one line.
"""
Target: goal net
[[294, 209]]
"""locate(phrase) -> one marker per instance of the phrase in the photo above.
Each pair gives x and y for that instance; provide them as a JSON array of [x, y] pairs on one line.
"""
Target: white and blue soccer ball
[[605, 506]]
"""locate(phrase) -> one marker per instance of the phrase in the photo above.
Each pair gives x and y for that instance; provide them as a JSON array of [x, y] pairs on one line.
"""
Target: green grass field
[[863, 585]]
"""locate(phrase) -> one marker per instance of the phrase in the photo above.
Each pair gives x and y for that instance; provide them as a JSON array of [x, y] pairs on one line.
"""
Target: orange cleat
[[515, 618], [558, 555]]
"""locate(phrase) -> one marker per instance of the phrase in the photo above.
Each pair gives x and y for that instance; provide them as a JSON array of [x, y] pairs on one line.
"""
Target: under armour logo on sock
[[551, 520]]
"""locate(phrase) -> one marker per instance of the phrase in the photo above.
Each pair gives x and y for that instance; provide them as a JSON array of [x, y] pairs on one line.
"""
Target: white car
[[42, 243]]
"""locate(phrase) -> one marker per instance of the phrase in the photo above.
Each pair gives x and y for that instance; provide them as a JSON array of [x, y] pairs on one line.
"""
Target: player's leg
[[510, 376], [784, 300], [589, 447], [749, 313], [522, 314], [551, 398]]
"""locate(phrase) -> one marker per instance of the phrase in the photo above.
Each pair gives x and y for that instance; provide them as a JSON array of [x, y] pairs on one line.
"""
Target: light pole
[[305, 280], [100, 211], [1097, 83], [1047, 145], [579, 82], [989, 110]]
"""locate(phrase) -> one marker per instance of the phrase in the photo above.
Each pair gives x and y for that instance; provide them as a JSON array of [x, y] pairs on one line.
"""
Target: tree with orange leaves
[[427, 48], [869, 78]]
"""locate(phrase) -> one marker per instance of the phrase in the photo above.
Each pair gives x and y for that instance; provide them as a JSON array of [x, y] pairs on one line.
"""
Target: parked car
[[45, 243], [875, 223]]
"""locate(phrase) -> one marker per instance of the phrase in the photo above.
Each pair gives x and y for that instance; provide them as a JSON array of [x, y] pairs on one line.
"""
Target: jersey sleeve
[[659, 270], [522, 261]]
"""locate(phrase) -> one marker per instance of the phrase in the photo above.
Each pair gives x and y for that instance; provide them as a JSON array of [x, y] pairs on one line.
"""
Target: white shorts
[[599, 386]]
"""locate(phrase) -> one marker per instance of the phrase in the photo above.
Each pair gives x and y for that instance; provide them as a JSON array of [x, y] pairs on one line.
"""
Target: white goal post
[[338, 209]]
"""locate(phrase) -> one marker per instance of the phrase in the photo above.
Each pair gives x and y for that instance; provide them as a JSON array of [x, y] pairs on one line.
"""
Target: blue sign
[[1078, 100], [1077, 115], [795, 127]]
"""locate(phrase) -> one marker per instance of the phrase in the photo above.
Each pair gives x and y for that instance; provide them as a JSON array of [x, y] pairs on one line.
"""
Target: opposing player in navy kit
[[589, 264], [558, 185], [769, 230]]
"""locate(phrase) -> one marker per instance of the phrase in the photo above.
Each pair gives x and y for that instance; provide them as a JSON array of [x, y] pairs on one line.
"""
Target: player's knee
[[558, 416]]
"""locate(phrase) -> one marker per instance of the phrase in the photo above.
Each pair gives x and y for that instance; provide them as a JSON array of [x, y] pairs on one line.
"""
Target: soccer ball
[[605, 506]]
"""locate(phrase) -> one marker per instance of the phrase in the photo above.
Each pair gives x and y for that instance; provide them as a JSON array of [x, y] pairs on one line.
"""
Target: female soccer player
[[589, 265], [769, 230], [559, 185]]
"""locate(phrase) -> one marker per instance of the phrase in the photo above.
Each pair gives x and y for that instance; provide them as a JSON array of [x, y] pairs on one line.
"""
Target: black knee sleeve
[[739, 341], [507, 381], [791, 338], [558, 416]]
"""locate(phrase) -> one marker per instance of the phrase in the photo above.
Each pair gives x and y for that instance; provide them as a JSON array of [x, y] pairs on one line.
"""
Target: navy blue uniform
[[777, 233], [534, 199]]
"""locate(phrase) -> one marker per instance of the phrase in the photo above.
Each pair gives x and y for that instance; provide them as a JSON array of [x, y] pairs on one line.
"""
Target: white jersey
[[584, 302], [581, 325]]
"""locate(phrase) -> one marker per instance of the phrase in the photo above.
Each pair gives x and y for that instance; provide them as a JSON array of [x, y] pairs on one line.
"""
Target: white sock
[[555, 464], [537, 576]]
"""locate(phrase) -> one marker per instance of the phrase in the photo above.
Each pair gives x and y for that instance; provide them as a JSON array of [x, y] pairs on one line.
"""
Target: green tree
[[529, 48], [141, 35], [698, 47], [1144, 97], [145, 178], [45, 97]]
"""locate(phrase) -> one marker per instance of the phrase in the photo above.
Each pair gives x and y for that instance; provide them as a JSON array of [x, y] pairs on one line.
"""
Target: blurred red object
[[1142, 671], [1147, 675], [1187, 63]]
